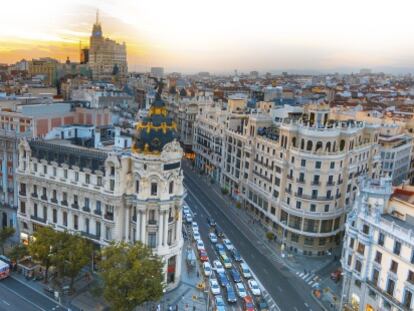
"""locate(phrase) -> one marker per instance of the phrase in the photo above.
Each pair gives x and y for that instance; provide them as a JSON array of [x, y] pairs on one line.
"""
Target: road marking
[[315, 285], [301, 274], [280, 289], [306, 305], [22, 297], [310, 283], [5, 302]]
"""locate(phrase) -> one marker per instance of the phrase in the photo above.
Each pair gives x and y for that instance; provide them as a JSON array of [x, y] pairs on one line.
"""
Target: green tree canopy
[[5, 234], [18, 252], [132, 275]]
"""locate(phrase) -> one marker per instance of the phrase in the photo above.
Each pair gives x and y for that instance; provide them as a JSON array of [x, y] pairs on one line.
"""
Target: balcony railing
[[43, 197], [22, 193], [109, 216], [330, 183], [86, 209], [34, 195], [97, 212], [54, 200], [75, 205], [38, 218], [64, 203], [152, 222], [90, 235]]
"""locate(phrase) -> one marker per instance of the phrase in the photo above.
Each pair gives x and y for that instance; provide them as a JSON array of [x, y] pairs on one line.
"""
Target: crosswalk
[[309, 278]]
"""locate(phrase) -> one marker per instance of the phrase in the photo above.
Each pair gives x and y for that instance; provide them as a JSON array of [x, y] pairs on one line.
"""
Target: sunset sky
[[218, 35]]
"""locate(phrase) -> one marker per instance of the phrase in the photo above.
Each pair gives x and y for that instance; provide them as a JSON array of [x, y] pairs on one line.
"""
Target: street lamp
[[282, 247]]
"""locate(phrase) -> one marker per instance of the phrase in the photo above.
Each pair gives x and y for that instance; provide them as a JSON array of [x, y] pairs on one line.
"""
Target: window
[[87, 179], [99, 181], [318, 164], [75, 222], [152, 239], [109, 212], [326, 208], [410, 277], [98, 207], [332, 165], [358, 266], [390, 287], [303, 163], [65, 219], [23, 207], [87, 225], [381, 239], [314, 194], [365, 229], [169, 237], [361, 248], [171, 187], [375, 277], [44, 169], [76, 176], [349, 261], [54, 215], [108, 233], [408, 297], [351, 242], [298, 204], [394, 266], [54, 171], [65, 173], [412, 256], [111, 184], [277, 181], [98, 229], [35, 167], [153, 188], [378, 257], [293, 160], [397, 247], [35, 210], [87, 203], [137, 186]]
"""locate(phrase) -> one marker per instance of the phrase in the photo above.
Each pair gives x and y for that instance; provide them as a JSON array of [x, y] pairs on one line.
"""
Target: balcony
[[109, 216], [75, 205], [64, 203], [300, 180], [54, 200], [86, 209], [134, 218], [170, 219], [152, 222], [22, 193], [43, 197], [330, 183], [316, 183], [34, 195], [97, 212], [90, 235], [36, 218], [288, 190]]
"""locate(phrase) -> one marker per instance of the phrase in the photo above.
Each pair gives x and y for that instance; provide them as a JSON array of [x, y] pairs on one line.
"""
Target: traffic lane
[[204, 229], [11, 301], [30, 295], [277, 284]]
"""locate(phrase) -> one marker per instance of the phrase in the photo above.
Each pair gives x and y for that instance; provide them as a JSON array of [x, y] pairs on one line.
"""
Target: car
[[226, 262], [248, 304], [189, 219], [214, 287], [245, 271], [186, 210], [228, 244], [207, 269], [235, 275], [218, 266], [336, 275], [220, 248], [211, 222], [254, 287], [236, 255], [222, 279], [231, 295], [203, 255], [220, 306], [196, 236], [6, 260], [263, 306], [212, 237], [218, 232], [194, 225], [200, 245], [241, 291]]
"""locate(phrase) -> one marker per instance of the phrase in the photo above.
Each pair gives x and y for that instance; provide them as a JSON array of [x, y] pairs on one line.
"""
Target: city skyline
[[219, 37]]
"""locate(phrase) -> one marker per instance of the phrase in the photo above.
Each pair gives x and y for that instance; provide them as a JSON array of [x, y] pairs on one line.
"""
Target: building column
[[161, 229], [143, 226], [138, 227], [127, 222], [178, 227], [165, 234]]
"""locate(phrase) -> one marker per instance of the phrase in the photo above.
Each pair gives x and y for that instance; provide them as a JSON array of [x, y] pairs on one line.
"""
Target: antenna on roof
[[97, 16]]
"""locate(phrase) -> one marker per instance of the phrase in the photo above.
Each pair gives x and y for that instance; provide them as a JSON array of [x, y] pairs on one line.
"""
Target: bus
[[4, 270]]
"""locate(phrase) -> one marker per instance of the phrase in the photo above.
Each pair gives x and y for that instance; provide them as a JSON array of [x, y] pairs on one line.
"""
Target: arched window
[[302, 144], [334, 146], [294, 142], [342, 145], [318, 145], [309, 145], [328, 146], [171, 187]]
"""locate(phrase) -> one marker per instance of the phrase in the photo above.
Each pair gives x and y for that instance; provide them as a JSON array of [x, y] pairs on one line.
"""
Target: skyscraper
[[107, 58]]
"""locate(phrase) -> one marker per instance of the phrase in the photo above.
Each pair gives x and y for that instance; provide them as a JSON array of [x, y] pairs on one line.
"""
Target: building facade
[[299, 176], [131, 195], [378, 250], [106, 57]]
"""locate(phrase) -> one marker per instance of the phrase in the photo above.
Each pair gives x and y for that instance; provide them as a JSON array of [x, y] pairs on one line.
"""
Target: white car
[[218, 266], [186, 210], [189, 219], [254, 287], [194, 225], [214, 287], [213, 238], [200, 244], [241, 291], [196, 236], [207, 269], [245, 271], [228, 244]]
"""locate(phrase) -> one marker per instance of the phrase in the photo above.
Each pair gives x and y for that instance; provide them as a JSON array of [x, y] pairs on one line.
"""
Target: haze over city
[[219, 36]]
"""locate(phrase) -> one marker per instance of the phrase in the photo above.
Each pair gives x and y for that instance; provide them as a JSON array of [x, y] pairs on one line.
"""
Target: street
[[15, 296], [284, 287]]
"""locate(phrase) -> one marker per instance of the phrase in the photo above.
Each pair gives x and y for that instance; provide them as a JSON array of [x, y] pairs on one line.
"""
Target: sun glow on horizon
[[218, 35]]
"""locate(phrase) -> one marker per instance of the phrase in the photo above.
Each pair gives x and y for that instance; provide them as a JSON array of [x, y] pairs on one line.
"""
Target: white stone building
[[378, 250]]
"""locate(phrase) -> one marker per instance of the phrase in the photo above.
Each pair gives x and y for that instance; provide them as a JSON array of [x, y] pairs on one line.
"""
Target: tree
[[270, 235], [41, 247], [132, 275], [78, 253], [18, 252], [5, 234]]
